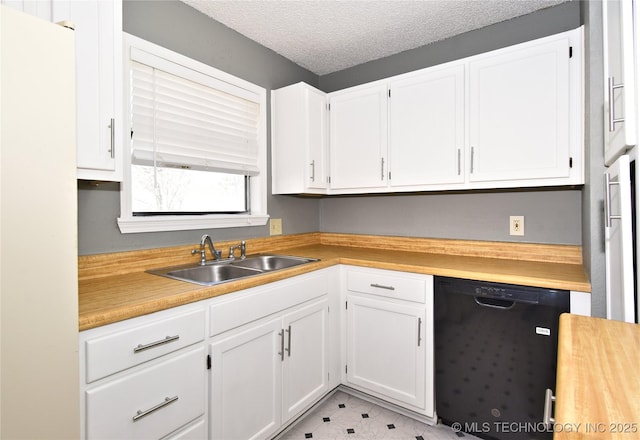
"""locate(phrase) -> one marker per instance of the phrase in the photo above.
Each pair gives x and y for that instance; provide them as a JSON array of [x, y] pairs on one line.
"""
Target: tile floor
[[343, 416]]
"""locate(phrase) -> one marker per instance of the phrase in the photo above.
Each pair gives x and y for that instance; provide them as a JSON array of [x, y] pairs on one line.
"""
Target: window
[[196, 154]]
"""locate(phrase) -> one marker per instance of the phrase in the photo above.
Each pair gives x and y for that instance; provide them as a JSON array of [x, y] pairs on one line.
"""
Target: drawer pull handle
[[166, 340], [167, 400], [549, 398], [381, 286]]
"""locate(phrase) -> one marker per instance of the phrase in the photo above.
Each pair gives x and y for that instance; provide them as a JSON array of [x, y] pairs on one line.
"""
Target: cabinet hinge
[[389, 93], [328, 179], [328, 106], [571, 162], [208, 362], [389, 175], [570, 51], [346, 369], [346, 305]]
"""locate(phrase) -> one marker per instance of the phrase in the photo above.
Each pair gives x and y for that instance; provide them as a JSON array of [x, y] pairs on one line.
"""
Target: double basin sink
[[216, 272]]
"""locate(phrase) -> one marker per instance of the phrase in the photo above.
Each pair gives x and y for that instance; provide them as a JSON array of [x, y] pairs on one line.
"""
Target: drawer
[[109, 354], [195, 431], [259, 302], [389, 284], [150, 403]]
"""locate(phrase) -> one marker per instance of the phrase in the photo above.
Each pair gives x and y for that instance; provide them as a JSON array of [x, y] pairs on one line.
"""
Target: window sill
[[130, 225]]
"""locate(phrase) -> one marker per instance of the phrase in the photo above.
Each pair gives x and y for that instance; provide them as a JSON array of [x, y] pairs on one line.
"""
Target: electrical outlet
[[275, 226], [516, 225]]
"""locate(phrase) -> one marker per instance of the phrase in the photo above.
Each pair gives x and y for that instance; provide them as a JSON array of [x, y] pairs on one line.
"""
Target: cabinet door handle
[[313, 170], [112, 149], [382, 168], [471, 164], [549, 398], [167, 400], [419, 331], [381, 286], [166, 340], [289, 342], [607, 200], [612, 118], [281, 352], [459, 162]]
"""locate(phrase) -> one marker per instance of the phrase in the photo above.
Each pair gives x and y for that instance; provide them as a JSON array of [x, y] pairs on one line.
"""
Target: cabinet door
[[619, 76], [306, 363], [519, 113], [426, 128], [98, 29], [246, 381], [299, 139], [358, 137], [386, 349], [619, 243]]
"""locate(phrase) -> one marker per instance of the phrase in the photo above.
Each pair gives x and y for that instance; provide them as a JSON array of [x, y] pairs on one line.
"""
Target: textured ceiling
[[325, 36]]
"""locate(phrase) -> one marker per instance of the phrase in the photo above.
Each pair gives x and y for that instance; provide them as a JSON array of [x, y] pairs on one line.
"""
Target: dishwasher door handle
[[494, 303]]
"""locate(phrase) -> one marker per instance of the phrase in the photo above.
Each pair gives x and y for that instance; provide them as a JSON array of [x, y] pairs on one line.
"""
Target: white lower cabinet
[[246, 364], [145, 377], [265, 374], [389, 337]]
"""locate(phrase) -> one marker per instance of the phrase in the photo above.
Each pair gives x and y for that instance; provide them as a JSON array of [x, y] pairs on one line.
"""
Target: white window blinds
[[186, 119]]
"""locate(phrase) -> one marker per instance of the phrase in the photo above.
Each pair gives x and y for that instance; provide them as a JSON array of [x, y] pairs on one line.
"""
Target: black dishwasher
[[495, 354]]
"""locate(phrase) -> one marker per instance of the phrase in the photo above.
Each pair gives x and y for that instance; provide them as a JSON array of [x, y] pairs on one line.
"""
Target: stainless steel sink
[[216, 272], [267, 263]]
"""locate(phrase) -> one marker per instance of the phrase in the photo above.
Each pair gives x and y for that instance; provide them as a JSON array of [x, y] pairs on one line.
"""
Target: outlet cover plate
[[516, 225], [275, 226]]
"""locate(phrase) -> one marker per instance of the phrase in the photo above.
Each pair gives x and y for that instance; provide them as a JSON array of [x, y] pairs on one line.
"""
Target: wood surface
[[114, 287], [598, 380]]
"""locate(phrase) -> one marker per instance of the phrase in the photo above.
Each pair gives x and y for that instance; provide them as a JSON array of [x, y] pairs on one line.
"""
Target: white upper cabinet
[[98, 28], [299, 140], [426, 128], [519, 113], [512, 117], [358, 140], [619, 77]]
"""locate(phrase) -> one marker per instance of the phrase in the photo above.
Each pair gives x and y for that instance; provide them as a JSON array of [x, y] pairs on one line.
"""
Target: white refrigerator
[[39, 385]]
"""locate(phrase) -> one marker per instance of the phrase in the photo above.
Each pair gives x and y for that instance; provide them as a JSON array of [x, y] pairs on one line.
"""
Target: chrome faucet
[[217, 255], [243, 250]]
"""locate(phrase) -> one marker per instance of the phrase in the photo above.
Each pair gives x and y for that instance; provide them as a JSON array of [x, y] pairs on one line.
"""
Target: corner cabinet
[[389, 337], [299, 144], [100, 129]]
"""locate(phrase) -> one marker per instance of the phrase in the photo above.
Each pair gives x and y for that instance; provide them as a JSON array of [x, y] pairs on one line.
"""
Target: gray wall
[[550, 216]]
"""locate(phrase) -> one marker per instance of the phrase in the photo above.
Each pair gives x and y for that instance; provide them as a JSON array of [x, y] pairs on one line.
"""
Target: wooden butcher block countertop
[[598, 381], [114, 287]]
